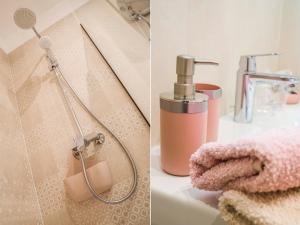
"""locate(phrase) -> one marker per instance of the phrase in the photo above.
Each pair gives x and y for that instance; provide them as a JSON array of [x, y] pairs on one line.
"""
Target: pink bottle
[[214, 94], [183, 119]]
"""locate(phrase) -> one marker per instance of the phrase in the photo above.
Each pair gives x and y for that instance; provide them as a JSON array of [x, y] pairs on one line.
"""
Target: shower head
[[25, 18]]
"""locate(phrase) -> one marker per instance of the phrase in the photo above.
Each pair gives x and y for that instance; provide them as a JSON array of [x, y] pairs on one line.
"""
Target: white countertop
[[176, 202]]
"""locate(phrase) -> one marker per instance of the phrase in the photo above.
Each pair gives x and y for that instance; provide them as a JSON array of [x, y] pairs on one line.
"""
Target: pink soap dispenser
[[183, 119]]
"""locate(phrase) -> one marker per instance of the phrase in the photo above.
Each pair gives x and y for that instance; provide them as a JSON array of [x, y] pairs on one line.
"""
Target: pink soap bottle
[[183, 119]]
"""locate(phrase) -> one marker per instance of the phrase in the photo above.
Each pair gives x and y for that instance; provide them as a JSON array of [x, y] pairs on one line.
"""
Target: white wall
[[214, 29], [290, 37]]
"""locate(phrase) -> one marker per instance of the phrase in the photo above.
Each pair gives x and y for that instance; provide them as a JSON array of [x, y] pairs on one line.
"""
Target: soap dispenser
[[183, 119]]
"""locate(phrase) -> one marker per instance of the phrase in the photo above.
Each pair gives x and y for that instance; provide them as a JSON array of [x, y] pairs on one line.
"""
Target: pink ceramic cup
[[214, 94]]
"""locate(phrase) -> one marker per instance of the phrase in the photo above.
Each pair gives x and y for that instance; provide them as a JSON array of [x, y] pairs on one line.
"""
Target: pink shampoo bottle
[[183, 119]]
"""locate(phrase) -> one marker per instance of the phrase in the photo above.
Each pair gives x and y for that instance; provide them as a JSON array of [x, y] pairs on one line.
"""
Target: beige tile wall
[[124, 47], [19, 203], [49, 132]]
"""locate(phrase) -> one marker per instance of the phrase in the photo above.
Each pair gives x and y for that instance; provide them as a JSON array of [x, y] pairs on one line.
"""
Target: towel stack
[[261, 177]]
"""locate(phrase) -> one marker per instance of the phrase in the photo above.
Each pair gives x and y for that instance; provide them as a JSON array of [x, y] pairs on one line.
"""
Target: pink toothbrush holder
[[214, 94]]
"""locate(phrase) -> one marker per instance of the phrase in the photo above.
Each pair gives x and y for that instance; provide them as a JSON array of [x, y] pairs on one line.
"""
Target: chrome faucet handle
[[248, 62], [265, 54]]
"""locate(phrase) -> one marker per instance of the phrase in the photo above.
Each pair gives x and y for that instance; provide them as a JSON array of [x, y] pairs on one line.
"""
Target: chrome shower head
[[24, 18]]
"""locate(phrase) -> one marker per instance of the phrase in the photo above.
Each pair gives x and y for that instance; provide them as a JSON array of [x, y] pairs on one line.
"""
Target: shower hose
[[61, 80]]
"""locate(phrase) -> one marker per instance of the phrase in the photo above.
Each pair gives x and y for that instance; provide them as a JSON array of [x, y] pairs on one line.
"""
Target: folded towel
[[273, 208], [269, 162]]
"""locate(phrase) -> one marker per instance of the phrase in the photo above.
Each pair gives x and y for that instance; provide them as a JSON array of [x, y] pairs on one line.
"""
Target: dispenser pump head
[[184, 88]]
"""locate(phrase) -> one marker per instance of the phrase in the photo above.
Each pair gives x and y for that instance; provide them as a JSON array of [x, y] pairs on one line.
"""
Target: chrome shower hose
[[60, 76]]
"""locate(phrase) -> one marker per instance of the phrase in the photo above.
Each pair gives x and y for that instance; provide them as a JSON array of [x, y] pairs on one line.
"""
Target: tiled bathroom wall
[[125, 48], [48, 130], [19, 203]]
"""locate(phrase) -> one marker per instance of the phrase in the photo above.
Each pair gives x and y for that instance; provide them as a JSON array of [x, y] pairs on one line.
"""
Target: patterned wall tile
[[18, 197], [127, 51]]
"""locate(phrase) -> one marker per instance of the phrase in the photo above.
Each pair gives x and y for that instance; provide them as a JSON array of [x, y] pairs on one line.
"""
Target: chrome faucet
[[247, 78]]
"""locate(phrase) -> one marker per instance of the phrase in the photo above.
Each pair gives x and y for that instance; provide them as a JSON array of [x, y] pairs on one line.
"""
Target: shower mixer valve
[[81, 143]]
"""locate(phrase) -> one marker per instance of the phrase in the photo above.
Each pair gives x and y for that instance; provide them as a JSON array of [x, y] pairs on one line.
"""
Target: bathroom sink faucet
[[247, 78]]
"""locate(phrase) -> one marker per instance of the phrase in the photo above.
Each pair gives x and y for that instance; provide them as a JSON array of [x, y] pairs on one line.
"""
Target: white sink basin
[[174, 200]]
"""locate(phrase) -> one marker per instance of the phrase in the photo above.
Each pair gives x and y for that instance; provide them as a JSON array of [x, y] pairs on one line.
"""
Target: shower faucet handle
[[81, 143], [98, 138]]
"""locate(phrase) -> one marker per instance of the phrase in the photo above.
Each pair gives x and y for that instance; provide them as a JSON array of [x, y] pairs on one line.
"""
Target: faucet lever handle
[[249, 61], [266, 54]]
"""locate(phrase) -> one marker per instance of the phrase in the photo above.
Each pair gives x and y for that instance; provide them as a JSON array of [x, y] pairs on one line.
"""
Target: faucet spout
[[273, 77]]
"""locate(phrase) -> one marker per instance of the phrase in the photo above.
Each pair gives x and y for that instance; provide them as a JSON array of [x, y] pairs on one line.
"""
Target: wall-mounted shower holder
[[81, 143]]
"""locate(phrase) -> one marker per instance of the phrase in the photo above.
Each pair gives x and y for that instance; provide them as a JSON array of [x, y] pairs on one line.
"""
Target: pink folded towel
[[269, 162]]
